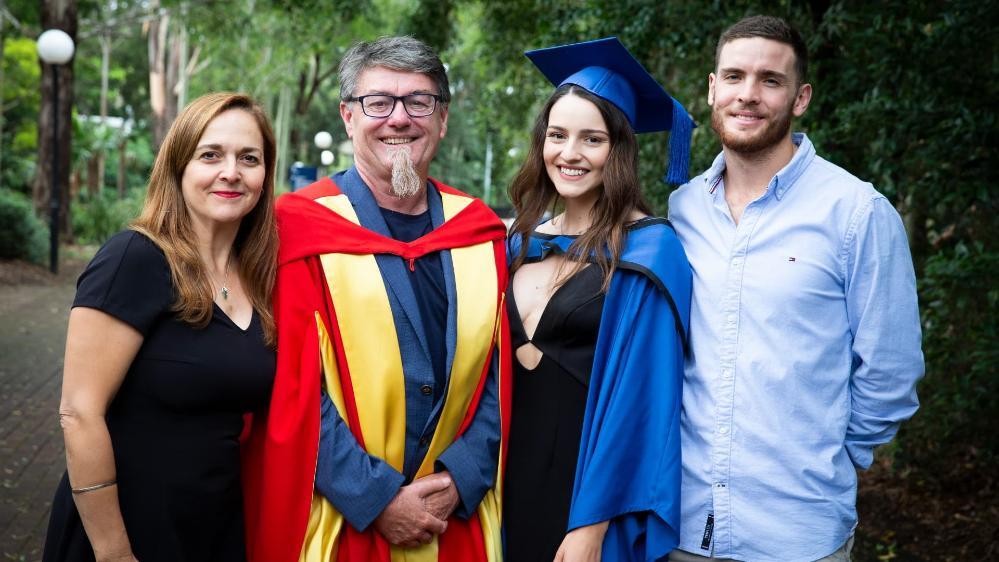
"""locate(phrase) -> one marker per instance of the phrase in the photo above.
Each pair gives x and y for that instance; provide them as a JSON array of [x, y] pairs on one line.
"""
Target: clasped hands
[[419, 511]]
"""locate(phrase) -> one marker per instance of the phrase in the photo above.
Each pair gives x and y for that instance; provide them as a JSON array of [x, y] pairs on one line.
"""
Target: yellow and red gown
[[334, 321]]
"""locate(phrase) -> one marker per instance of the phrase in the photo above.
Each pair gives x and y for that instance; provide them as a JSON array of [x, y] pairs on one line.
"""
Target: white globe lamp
[[55, 47], [323, 140]]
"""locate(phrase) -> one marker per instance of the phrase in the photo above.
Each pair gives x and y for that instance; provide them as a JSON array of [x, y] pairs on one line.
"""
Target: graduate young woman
[[598, 305], [169, 344]]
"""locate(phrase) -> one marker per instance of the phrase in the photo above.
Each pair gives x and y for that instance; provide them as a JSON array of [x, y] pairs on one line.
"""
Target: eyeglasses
[[382, 105]]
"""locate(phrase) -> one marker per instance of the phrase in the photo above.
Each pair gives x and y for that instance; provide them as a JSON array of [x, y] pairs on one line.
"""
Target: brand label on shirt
[[709, 528]]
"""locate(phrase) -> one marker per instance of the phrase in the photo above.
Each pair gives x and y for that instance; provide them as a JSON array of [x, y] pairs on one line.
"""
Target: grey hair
[[404, 53]]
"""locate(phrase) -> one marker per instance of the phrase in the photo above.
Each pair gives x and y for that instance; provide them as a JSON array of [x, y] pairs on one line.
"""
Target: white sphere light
[[55, 47], [323, 140], [327, 157]]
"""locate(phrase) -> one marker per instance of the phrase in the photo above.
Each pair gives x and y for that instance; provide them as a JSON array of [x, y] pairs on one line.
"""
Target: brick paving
[[32, 338]]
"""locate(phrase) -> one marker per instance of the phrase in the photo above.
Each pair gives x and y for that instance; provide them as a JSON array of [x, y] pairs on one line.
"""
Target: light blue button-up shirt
[[805, 352]]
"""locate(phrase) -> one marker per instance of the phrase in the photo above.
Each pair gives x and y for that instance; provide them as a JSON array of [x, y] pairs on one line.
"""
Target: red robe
[[279, 459]]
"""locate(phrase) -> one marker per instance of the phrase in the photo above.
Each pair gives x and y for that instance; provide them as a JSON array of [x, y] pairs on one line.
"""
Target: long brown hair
[[533, 193], [165, 220]]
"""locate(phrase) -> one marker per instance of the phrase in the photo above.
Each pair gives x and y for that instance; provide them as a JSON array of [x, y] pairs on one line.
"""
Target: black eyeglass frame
[[395, 101]]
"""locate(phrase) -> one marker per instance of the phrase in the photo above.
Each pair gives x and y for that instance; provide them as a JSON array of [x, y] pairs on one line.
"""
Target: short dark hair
[[773, 28], [404, 53]]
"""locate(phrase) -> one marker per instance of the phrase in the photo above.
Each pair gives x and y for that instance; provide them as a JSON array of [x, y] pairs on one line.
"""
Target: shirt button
[[727, 374], [426, 390], [736, 263], [723, 430], [731, 318]]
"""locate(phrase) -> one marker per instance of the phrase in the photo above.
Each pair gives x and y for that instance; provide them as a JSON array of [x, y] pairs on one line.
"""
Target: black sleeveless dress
[[547, 417], [176, 419]]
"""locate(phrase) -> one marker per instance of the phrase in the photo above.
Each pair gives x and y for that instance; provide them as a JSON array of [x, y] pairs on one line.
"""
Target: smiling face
[[377, 140], [577, 145], [225, 176], [754, 95]]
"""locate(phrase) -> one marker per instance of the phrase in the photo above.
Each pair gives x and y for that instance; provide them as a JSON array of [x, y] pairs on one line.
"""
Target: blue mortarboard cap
[[605, 68]]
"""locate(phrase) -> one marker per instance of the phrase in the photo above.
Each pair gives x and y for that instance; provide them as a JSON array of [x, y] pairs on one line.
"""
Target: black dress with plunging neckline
[[547, 416], [176, 419]]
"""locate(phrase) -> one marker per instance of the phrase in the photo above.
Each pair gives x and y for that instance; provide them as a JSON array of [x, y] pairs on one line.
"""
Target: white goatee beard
[[405, 181]]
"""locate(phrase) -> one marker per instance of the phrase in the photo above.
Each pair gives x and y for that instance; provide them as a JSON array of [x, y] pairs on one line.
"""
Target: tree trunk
[[158, 92], [174, 69], [56, 14], [122, 167], [180, 56], [3, 23], [93, 175], [168, 70], [282, 128], [105, 40]]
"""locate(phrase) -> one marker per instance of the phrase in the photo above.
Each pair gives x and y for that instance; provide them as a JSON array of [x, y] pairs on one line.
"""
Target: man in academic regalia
[[384, 433]]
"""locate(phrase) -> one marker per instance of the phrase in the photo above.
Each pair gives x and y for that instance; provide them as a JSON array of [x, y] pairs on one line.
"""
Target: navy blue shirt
[[427, 279]]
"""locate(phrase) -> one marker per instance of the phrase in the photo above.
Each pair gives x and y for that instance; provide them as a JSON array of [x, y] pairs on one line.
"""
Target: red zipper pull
[[412, 264]]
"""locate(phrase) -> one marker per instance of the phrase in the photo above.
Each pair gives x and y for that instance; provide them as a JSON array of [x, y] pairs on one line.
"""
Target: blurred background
[[905, 96]]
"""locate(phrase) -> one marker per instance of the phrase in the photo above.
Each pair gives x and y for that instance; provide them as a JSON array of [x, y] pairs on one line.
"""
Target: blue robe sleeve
[[628, 471], [358, 485], [473, 457]]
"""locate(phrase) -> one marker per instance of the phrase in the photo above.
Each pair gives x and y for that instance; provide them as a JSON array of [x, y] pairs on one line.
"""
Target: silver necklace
[[225, 280]]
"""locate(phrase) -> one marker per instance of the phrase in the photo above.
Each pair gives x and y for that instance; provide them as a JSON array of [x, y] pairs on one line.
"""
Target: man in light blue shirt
[[804, 329]]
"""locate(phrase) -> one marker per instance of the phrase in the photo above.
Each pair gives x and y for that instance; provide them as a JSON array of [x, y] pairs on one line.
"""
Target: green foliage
[[903, 96], [904, 99], [95, 219], [139, 158], [20, 99], [21, 72], [960, 395], [22, 235]]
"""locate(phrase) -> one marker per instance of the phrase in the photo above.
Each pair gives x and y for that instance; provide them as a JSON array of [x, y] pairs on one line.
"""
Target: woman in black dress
[[169, 346], [593, 465]]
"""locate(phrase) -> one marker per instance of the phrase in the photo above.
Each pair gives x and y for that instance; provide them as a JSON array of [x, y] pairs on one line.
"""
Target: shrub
[[95, 219], [960, 394], [22, 235]]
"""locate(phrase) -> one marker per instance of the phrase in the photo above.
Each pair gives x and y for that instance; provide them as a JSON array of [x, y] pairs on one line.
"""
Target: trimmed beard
[[759, 144], [405, 181]]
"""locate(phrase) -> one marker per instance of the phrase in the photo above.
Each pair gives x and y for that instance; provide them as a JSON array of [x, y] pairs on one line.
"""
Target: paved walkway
[[32, 338]]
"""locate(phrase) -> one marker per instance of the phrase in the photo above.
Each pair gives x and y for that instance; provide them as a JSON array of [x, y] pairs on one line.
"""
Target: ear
[[347, 114], [802, 99], [711, 89], [444, 113]]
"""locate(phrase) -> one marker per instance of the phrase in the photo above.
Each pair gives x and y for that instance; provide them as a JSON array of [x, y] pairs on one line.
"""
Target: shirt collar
[[783, 180]]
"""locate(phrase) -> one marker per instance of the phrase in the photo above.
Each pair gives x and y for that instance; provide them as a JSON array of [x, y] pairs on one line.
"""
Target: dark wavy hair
[[533, 193]]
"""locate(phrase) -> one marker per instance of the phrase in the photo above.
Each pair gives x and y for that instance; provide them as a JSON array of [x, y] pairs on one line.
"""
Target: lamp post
[[323, 141], [55, 48]]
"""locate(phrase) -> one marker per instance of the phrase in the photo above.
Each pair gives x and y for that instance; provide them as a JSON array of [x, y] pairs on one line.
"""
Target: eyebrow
[[384, 93], [583, 131], [765, 73], [219, 147], [774, 74]]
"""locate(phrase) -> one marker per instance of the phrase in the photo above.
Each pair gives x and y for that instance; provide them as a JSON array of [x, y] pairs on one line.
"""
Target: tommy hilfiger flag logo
[[790, 258]]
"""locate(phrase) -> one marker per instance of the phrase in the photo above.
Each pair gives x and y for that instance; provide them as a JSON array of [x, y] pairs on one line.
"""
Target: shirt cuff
[[376, 498], [862, 455], [467, 477]]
